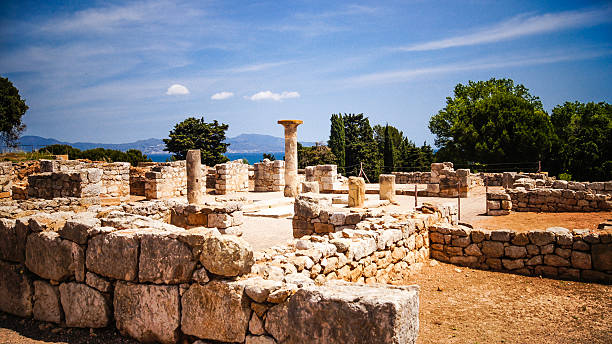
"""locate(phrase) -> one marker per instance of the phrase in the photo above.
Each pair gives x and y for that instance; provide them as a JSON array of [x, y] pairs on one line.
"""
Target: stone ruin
[[269, 176], [231, 177]]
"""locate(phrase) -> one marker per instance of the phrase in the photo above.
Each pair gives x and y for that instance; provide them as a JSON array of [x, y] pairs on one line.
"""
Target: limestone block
[[80, 230], [356, 195], [15, 290], [46, 302], [602, 257], [114, 255], [218, 311], [337, 312], [97, 282], [227, 255], [219, 220], [310, 187], [164, 260], [83, 306], [493, 248], [259, 340], [541, 238], [581, 260], [12, 241], [50, 257], [387, 187], [515, 251], [147, 313]]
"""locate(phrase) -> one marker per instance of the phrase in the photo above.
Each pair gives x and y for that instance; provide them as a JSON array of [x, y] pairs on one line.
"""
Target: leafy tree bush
[[492, 121], [361, 148], [315, 155], [194, 133], [12, 108], [268, 156], [584, 141], [133, 156]]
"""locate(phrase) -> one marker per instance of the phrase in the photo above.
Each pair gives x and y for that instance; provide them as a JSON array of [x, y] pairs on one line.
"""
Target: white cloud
[[519, 26], [222, 95], [177, 89], [269, 95]]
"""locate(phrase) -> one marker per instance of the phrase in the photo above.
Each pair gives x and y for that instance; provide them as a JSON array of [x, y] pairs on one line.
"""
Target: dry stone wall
[[166, 180], [558, 200], [222, 215], [412, 177], [444, 181], [84, 183], [498, 203], [175, 285], [556, 252], [231, 177], [269, 176], [325, 175]]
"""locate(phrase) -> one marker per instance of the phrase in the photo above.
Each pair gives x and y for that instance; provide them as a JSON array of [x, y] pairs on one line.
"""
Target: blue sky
[[105, 71]]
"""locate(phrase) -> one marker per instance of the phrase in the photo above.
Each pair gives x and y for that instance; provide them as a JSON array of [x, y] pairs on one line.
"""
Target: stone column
[[387, 187], [291, 159], [196, 181], [356, 192]]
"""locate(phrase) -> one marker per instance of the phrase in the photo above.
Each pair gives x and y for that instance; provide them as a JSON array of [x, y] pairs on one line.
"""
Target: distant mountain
[[244, 143]]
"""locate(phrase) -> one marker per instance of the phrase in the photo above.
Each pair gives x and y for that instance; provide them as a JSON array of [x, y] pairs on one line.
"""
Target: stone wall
[[231, 177], [138, 180], [558, 200], [6, 179], [174, 285], [115, 180], [84, 183], [269, 176], [325, 175], [498, 203], [556, 252], [444, 181], [412, 177], [221, 215], [166, 180]]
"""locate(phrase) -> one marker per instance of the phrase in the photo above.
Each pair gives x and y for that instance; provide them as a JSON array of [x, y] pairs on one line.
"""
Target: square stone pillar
[[387, 187], [356, 192], [291, 158]]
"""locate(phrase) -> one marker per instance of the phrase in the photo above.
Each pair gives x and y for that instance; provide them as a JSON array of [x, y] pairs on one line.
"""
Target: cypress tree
[[388, 153], [337, 141]]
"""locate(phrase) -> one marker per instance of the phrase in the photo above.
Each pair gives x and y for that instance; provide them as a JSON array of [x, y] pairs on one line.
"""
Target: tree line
[[133, 156]]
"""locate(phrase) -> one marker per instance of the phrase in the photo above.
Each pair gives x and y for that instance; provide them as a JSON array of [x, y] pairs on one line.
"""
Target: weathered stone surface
[[473, 250], [387, 187], [12, 241], [15, 290], [554, 260], [520, 239], [515, 251], [541, 238], [218, 310], [513, 264], [147, 313], [164, 260], [46, 302], [581, 260], [227, 255], [50, 257], [336, 313], [97, 282], [501, 235], [200, 276], [83, 306], [356, 193], [256, 325], [103, 251], [493, 248], [259, 289], [259, 340], [81, 230], [602, 257]]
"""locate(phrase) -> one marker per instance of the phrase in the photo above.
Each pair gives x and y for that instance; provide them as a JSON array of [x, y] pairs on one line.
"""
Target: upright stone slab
[[347, 313], [15, 290], [147, 313], [387, 187], [47, 302], [196, 180], [84, 306], [356, 195], [291, 187]]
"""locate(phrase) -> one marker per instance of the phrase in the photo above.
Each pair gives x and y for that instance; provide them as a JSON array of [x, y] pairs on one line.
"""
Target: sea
[[251, 157]]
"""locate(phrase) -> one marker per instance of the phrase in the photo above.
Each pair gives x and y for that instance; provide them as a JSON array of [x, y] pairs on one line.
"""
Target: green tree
[[194, 133], [12, 108], [268, 156], [337, 142], [133, 156], [584, 140], [315, 155], [492, 121], [388, 151], [361, 148]]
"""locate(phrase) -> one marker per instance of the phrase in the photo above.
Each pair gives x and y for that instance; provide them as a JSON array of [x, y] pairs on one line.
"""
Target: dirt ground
[[457, 305], [531, 220], [462, 305]]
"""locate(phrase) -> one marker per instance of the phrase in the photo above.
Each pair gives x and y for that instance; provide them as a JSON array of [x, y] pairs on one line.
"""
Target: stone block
[[104, 251], [356, 195], [337, 312], [81, 230], [515, 251], [581, 260], [493, 248], [16, 290], [46, 302], [541, 238], [50, 257], [227, 255], [602, 257], [84, 306], [147, 313], [12, 241], [219, 311], [164, 260]]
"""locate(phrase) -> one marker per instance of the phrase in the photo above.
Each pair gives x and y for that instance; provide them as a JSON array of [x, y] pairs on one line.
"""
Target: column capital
[[290, 122]]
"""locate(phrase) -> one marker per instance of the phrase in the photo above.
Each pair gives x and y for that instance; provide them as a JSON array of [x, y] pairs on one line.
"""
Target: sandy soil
[[531, 220], [462, 305]]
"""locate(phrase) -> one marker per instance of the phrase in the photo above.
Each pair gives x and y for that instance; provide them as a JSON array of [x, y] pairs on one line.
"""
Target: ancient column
[[356, 192], [291, 159], [387, 187], [196, 182]]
